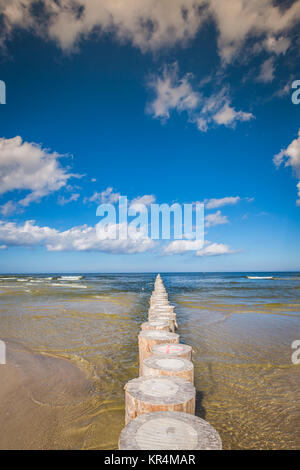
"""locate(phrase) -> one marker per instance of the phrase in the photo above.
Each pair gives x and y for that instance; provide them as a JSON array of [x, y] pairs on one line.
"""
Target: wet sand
[[39, 398]]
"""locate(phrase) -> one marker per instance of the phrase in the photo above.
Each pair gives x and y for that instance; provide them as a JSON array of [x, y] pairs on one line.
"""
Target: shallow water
[[72, 345]]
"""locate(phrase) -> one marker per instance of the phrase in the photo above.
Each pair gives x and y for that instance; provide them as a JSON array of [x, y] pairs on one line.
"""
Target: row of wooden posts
[[160, 404]]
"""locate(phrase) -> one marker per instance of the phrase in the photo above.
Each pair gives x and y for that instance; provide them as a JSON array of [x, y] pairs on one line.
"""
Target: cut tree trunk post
[[173, 350], [156, 325], [167, 430], [162, 308], [149, 338], [157, 313], [161, 393], [171, 366], [165, 318]]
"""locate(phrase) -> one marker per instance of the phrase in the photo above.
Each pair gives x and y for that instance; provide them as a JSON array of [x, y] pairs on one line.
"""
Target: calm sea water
[[72, 345]]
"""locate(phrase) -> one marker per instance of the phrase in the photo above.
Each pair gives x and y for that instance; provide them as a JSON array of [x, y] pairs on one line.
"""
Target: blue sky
[[193, 105]]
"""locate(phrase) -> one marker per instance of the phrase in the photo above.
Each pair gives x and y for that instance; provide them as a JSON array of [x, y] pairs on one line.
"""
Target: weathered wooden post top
[[167, 430], [173, 350], [159, 393], [156, 325], [171, 366]]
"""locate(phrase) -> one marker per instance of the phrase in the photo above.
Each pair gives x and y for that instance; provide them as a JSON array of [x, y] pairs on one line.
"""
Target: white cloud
[[146, 200], [149, 25], [8, 208], [215, 219], [267, 70], [171, 93], [27, 166], [277, 45], [62, 200], [224, 201], [217, 109], [214, 249], [108, 196], [290, 157], [179, 247], [175, 93], [238, 20], [81, 238], [228, 115], [298, 200], [152, 24]]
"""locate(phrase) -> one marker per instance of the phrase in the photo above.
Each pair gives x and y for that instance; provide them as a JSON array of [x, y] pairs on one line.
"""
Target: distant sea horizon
[[11, 273]]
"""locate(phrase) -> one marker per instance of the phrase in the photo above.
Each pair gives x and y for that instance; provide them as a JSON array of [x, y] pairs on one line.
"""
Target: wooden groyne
[[160, 403]]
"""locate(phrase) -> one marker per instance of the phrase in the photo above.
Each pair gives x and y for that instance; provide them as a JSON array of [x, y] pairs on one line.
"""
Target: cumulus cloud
[[152, 24], [81, 238], [215, 219], [179, 247], [239, 20], [27, 166], [214, 249], [217, 109], [290, 157], [228, 115], [224, 201], [173, 93]]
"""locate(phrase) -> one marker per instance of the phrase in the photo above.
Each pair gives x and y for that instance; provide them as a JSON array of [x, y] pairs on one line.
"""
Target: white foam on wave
[[70, 278], [260, 277], [73, 286]]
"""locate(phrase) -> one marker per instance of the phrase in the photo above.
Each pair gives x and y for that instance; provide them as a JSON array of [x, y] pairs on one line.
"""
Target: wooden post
[[156, 314], [159, 299], [173, 350], [167, 430], [162, 308], [161, 303], [165, 318], [162, 393], [149, 338], [156, 325], [171, 366]]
